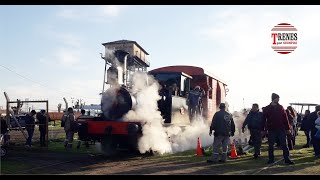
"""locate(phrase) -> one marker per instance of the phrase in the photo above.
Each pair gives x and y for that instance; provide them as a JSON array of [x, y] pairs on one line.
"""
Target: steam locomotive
[[109, 127]]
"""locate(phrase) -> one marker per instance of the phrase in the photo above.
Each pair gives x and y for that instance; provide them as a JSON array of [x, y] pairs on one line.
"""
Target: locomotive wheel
[[133, 130], [108, 146]]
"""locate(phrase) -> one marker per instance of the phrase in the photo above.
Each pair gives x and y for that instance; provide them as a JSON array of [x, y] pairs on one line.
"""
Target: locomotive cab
[[175, 87]]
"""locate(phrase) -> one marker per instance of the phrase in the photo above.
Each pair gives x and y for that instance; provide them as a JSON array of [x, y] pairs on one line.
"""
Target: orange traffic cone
[[199, 149], [234, 154]]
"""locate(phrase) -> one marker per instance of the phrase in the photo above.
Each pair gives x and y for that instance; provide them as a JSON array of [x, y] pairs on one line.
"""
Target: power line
[[24, 77]]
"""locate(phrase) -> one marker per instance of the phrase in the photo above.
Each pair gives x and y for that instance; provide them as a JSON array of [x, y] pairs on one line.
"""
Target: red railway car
[[214, 87]]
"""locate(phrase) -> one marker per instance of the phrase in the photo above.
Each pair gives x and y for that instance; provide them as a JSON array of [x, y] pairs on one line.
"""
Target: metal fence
[[55, 132]]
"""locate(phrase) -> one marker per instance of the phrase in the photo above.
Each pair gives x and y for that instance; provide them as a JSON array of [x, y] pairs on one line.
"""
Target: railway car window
[[180, 84], [185, 86]]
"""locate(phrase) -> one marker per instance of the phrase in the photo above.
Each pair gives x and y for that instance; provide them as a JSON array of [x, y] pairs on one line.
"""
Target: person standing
[[30, 123], [306, 128], [83, 112], [193, 103], [42, 127], [276, 122], [223, 126], [69, 128], [292, 117], [254, 120], [315, 142]]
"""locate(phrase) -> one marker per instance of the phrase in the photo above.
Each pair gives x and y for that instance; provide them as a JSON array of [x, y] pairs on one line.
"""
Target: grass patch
[[20, 158], [11, 167], [303, 157], [182, 162]]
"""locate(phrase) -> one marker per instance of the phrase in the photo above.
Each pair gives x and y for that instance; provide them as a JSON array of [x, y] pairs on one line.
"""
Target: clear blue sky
[[59, 46]]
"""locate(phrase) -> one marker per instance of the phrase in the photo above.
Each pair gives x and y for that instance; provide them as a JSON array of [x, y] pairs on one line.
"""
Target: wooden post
[[8, 114], [7, 108], [47, 120]]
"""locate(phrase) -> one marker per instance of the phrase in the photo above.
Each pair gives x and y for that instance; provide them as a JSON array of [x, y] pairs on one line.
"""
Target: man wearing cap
[[223, 126], [276, 122], [30, 123]]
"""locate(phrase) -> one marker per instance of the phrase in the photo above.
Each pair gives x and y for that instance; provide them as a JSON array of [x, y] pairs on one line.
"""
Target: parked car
[[21, 119]]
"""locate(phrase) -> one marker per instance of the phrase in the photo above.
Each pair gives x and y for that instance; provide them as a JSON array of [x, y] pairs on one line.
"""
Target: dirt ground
[[60, 163], [87, 162]]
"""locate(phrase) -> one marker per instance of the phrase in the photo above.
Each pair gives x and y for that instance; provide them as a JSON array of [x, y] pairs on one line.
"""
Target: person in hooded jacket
[[254, 120]]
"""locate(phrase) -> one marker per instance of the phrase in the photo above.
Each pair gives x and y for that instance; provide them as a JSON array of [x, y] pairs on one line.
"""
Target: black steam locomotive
[[109, 128]]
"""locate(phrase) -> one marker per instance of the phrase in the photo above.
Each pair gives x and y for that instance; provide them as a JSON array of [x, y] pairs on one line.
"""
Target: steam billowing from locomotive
[[154, 133], [138, 102]]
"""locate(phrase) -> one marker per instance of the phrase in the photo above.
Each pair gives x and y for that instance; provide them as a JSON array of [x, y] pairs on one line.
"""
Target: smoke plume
[[185, 138], [156, 136], [114, 78], [180, 135], [238, 118]]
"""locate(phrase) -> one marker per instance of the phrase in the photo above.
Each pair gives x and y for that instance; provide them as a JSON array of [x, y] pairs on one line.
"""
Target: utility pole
[[244, 107], [104, 74]]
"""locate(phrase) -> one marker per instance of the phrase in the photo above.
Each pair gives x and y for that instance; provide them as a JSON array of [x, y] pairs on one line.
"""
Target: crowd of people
[[278, 124]]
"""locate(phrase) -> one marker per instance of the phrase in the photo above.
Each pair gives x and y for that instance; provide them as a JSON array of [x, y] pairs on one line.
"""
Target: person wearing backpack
[[70, 127]]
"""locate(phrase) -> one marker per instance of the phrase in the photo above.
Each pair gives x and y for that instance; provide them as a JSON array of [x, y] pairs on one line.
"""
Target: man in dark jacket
[[30, 123], [194, 103], [305, 126], [277, 125], [42, 127], [4, 126], [83, 112], [315, 142], [254, 120], [223, 126]]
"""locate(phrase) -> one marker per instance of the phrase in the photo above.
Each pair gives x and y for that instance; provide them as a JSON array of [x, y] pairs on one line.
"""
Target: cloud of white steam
[[186, 138], [110, 57], [157, 137], [180, 135], [238, 118], [154, 134]]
